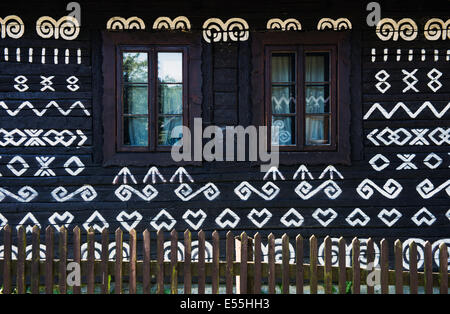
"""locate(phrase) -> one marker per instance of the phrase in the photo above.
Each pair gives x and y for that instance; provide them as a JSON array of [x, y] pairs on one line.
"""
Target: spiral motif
[[235, 29], [213, 33], [278, 252], [195, 251], [304, 188], [332, 190], [168, 251], [334, 252], [388, 29], [270, 189], [97, 251], [12, 26], [435, 250], [210, 191], [407, 29], [88, 193], [124, 192], [45, 27], [27, 193], [279, 124], [434, 29], [67, 27], [285, 136], [420, 252]]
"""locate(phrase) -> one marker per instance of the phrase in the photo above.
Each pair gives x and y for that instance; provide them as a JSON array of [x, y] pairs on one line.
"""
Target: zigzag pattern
[[40, 113], [413, 115]]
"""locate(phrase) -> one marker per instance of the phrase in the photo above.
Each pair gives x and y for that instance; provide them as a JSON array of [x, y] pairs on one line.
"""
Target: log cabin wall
[[396, 185]]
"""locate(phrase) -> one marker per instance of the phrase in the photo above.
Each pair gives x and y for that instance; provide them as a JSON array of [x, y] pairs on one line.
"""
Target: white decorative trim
[[329, 187], [436, 29], [337, 25], [384, 214], [65, 218], [67, 27], [290, 24], [263, 212], [28, 227], [413, 115], [164, 22], [154, 173], [268, 191], [87, 193], [185, 192], [427, 190], [99, 228], [427, 217], [120, 23], [199, 223], [11, 26], [25, 194], [275, 173], [124, 218], [291, 222], [157, 226], [320, 214], [391, 189], [384, 165], [354, 220], [234, 29], [388, 29], [227, 223], [125, 192]]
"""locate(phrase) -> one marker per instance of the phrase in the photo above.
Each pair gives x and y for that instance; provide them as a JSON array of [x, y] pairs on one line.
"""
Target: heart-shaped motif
[[255, 214], [389, 217], [129, 221], [195, 215], [324, 217], [59, 220], [223, 221]]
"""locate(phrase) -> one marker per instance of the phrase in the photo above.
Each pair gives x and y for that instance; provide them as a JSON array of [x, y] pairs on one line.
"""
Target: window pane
[[317, 67], [170, 98], [283, 99], [283, 67], [135, 99], [170, 67], [135, 131], [286, 130], [135, 67], [317, 99], [317, 130], [169, 130]]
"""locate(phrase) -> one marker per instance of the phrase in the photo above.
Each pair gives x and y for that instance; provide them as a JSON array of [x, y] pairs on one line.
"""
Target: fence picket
[[118, 264], [428, 268], [229, 260], [187, 262], [313, 264], [77, 253], [215, 267], [398, 253], [327, 273], [49, 256], [257, 272], [7, 253], [35, 260], [133, 259], [370, 260], [21, 247], [146, 275], [384, 267], [342, 266], [356, 269], [160, 262], [299, 264], [243, 266], [443, 268], [285, 263], [104, 261], [174, 262], [62, 275], [413, 280], [90, 260], [201, 263], [271, 260]]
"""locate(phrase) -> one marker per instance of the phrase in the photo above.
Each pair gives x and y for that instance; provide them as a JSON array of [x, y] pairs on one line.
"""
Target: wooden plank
[[146, 270], [257, 273], [77, 253], [299, 264], [398, 253], [356, 269], [229, 259], [21, 251], [133, 260], [49, 260], [90, 260], [342, 265], [384, 263], [7, 255], [62, 274], [285, 263], [443, 268], [35, 260], [428, 268], [215, 267], [118, 264], [250, 270], [370, 260], [160, 261], [327, 271], [104, 263], [243, 266], [201, 262], [413, 279], [271, 261], [173, 262], [187, 262], [313, 264]]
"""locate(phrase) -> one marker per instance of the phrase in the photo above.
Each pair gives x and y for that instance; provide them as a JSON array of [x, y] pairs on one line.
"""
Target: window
[[152, 87], [300, 87]]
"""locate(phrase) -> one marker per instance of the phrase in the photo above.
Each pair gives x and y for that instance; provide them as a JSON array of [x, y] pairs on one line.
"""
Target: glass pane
[[170, 130], [135, 99], [317, 130], [317, 99], [170, 98], [283, 67], [135, 131], [285, 132], [170, 67], [283, 99], [135, 67], [317, 67]]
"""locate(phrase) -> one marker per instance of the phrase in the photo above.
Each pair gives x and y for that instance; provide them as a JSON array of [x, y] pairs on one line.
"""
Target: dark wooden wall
[[226, 70]]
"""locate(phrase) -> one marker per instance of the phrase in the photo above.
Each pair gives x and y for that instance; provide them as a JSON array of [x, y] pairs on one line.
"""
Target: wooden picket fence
[[33, 275]]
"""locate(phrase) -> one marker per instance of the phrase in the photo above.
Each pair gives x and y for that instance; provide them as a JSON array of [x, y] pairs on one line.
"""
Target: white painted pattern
[[330, 171], [3, 221], [337, 25], [325, 217], [44, 170], [227, 222], [234, 29], [363, 258], [24, 195], [413, 115], [72, 83], [40, 113], [153, 173], [195, 215], [124, 173], [423, 216], [160, 221], [34, 137], [129, 221], [164, 22], [407, 163], [410, 80], [87, 193], [436, 29], [58, 220], [21, 85], [20, 161], [121, 23], [434, 84], [389, 217], [427, 190], [268, 191], [303, 172], [255, 217], [305, 190], [11, 26], [275, 174], [289, 24], [292, 218], [47, 83], [186, 193], [78, 163], [96, 221], [67, 27], [357, 217], [382, 84], [428, 161], [402, 136], [124, 192], [28, 225], [391, 189], [388, 29], [385, 162], [180, 173]]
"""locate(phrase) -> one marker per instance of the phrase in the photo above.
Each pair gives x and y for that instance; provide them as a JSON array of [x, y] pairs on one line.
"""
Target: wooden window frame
[[338, 44], [114, 151]]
